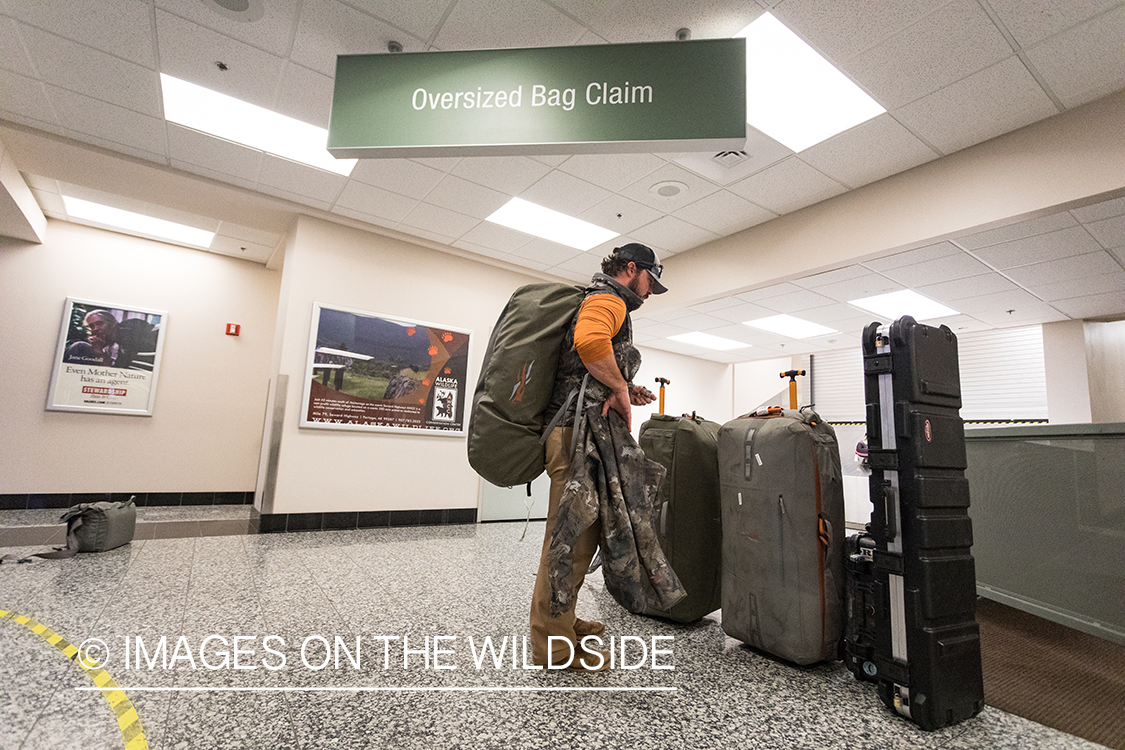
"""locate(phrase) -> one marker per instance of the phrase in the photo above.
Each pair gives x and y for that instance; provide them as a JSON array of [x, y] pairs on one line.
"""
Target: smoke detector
[[668, 189], [244, 11]]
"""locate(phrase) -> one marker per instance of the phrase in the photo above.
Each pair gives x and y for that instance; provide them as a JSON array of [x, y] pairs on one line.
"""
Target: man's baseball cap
[[645, 258]]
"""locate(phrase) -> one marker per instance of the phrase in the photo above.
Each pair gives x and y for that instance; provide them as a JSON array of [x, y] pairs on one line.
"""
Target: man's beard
[[634, 286]]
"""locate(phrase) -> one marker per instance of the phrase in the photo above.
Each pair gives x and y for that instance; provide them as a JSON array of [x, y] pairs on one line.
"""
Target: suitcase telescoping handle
[[792, 375], [663, 382]]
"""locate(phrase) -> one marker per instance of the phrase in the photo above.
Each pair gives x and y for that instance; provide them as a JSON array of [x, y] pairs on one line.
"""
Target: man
[[600, 342]]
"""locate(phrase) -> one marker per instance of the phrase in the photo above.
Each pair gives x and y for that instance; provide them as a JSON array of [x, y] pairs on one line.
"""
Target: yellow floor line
[[132, 734]]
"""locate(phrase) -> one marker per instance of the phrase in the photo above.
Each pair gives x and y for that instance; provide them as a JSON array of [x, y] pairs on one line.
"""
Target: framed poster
[[368, 371], [107, 358]]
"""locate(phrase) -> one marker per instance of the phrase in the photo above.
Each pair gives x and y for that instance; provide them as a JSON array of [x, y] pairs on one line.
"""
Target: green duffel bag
[[96, 527]]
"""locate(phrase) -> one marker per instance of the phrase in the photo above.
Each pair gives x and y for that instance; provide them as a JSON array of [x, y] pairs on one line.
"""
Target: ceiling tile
[[670, 233], [724, 213], [1076, 267], [95, 74], [1016, 231], [840, 316], [472, 247], [248, 234], [972, 286], [81, 114], [858, 288], [327, 29], [300, 179], [1043, 313], [534, 265], [271, 32], [564, 193], [549, 159], [611, 171], [510, 175], [1109, 232], [241, 249], [216, 154], [214, 174], [420, 19], [657, 20], [49, 203], [586, 264], [1093, 306], [723, 303], [1099, 211], [802, 299], [1084, 63], [1039, 248], [368, 199], [444, 222], [989, 103], [868, 152], [620, 214], [13, 53], [189, 51], [377, 221], [36, 182], [443, 164], [959, 266], [1032, 21], [491, 24], [429, 234], [759, 152], [694, 321], [1090, 285], [496, 237], [289, 195], [399, 175], [25, 96], [949, 44], [765, 292], [787, 186], [746, 334], [842, 29], [998, 302], [695, 188], [305, 95], [911, 257], [122, 29], [832, 277], [466, 197]]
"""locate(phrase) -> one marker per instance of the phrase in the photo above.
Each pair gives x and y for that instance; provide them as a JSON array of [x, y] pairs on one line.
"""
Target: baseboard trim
[[279, 523], [37, 500]]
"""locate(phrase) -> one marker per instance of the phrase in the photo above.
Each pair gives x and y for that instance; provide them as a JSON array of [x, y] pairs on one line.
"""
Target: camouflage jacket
[[570, 370], [611, 479]]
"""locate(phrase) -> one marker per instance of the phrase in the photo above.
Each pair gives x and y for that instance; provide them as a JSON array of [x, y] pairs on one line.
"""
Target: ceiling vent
[[730, 159]]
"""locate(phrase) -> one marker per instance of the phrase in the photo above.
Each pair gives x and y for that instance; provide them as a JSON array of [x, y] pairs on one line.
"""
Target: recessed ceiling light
[[794, 95], [134, 223], [904, 302], [668, 189], [530, 218], [707, 341], [232, 119], [787, 325]]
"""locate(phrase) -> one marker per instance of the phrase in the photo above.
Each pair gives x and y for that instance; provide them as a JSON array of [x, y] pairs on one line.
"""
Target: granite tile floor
[[396, 590]]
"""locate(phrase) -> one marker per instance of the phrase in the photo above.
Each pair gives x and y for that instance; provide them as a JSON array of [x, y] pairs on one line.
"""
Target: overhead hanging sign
[[619, 98]]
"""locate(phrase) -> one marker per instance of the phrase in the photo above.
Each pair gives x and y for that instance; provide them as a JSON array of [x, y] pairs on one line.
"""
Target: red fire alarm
[[233, 329]]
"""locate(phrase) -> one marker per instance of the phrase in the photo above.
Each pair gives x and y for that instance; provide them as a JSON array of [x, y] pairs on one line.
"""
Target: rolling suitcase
[[783, 534], [690, 522], [912, 597]]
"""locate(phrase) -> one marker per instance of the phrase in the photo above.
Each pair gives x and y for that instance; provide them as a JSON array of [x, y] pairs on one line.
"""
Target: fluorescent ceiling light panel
[[707, 341], [529, 218], [134, 223], [794, 95], [894, 305], [224, 116], [787, 325]]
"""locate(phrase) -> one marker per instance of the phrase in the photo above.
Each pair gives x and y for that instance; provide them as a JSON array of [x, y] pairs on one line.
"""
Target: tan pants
[[543, 624]]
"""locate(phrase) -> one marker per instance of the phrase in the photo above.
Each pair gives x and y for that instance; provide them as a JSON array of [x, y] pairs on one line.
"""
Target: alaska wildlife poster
[[368, 371]]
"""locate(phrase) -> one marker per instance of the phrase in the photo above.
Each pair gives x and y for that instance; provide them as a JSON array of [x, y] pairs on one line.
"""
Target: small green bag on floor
[[96, 527]]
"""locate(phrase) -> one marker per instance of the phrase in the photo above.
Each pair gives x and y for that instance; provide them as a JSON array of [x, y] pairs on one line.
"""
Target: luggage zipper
[[781, 531], [820, 557]]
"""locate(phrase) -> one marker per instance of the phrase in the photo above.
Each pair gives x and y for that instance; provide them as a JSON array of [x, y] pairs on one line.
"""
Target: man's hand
[[639, 395], [619, 401]]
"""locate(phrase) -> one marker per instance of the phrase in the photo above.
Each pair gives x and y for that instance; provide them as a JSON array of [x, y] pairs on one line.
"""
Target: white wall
[[210, 398], [696, 385], [336, 471], [756, 383], [1064, 363], [1105, 363]]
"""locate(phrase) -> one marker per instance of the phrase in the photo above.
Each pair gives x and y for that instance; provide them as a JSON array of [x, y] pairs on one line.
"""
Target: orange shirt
[[599, 319]]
